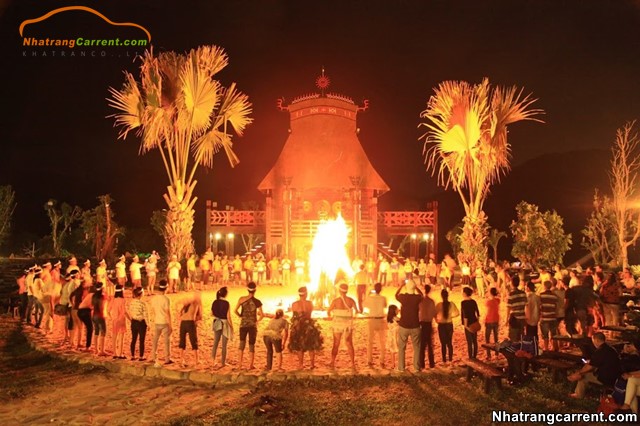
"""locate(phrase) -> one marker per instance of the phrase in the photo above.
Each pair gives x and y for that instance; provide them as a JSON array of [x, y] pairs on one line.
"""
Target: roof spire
[[323, 82]]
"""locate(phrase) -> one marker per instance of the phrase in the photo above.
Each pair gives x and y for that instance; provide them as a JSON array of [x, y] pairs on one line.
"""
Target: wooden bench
[[488, 372], [557, 367], [564, 356]]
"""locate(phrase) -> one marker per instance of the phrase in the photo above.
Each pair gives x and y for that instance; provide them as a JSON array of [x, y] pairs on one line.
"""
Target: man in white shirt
[[134, 271], [375, 304], [161, 307], [121, 271]]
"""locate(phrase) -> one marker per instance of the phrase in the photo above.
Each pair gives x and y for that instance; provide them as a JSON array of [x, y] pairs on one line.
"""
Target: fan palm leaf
[[130, 103]]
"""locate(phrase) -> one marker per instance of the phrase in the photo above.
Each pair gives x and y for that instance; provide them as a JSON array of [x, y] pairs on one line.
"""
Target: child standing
[[275, 337], [392, 333]]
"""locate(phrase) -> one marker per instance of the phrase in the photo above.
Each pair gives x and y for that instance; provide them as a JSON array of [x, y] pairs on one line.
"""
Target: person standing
[[86, 270], [38, 296], [47, 298], [532, 311], [237, 270], [56, 274], [394, 267], [63, 308], [222, 326], [478, 276], [217, 269], [445, 276], [22, 294], [225, 269], [370, 267], [261, 269], [361, 278], [610, 293], [305, 332], [407, 268], [139, 317], [432, 271], [445, 312], [274, 271], [84, 312], [249, 267], [409, 324], [205, 268], [548, 321], [28, 282], [427, 313], [341, 312], [76, 297], [383, 271], [375, 304], [151, 268], [98, 319], [161, 307], [515, 311], [190, 314], [134, 272], [73, 265], [392, 334], [471, 321], [275, 338], [492, 320], [121, 271], [422, 272], [173, 272], [118, 315], [249, 309], [101, 272], [192, 272], [286, 271]]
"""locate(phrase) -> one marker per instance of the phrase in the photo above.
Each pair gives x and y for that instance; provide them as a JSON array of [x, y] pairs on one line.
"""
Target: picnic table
[[516, 366], [489, 373]]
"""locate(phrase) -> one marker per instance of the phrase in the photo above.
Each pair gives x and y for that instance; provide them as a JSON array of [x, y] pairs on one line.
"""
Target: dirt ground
[[37, 389], [274, 297]]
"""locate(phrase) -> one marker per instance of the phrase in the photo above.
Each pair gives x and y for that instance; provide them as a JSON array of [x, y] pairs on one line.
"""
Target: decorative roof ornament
[[323, 82]]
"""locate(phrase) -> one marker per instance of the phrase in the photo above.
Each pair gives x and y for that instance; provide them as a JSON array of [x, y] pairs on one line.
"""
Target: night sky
[[581, 59]]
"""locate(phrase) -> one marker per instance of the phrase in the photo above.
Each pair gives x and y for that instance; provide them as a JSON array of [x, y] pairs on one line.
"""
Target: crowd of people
[[79, 302]]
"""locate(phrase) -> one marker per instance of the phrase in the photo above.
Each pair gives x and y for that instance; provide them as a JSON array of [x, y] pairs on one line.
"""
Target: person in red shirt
[[492, 319]]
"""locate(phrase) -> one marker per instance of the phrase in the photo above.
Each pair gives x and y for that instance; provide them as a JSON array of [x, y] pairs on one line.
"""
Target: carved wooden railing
[[400, 219], [236, 218]]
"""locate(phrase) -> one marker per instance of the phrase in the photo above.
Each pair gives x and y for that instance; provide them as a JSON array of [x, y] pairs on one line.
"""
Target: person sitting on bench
[[605, 362]]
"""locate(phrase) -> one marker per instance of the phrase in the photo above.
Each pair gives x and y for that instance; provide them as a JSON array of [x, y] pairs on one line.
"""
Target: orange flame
[[329, 253]]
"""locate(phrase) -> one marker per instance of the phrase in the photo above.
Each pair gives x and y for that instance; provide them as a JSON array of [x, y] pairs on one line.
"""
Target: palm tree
[[180, 109], [494, 239], [466, 144]]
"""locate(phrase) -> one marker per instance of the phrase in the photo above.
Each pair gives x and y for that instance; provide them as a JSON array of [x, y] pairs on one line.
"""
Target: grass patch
[[24, 370], [439, 398]]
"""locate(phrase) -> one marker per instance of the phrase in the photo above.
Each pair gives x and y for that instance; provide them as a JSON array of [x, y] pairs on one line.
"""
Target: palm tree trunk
[[179, 225]]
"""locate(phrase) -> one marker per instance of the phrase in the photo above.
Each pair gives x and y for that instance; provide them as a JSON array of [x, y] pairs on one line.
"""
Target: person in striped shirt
[[548, 321], [515, 310], [138, 314]]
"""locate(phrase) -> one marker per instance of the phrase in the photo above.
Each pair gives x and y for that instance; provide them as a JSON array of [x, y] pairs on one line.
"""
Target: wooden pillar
[[286, 216], [268, 217], [357, 213]]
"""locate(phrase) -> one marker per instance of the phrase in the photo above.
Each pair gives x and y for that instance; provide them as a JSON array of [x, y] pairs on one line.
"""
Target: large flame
[[329, 254]]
